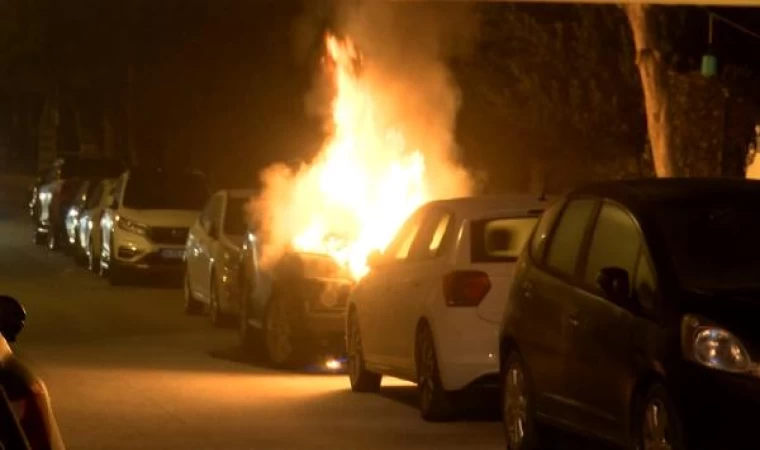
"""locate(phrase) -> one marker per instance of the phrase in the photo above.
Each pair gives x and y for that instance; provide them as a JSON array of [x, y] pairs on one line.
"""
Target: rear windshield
[[499, 239], [89, 168], [178, 191]]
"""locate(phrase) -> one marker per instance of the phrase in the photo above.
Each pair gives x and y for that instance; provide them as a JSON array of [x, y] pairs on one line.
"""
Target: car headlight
[[713, 346], [131, 226]]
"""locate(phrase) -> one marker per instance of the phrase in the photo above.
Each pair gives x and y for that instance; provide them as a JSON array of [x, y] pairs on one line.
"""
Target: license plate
[[172, 253]]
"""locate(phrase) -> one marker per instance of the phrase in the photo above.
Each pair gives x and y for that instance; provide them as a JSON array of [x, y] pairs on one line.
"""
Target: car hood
[[161, 217], [738, 310]]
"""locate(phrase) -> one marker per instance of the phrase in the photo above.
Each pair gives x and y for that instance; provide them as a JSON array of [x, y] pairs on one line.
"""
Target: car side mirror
[[12, 318], [616, 285], [374, 259]]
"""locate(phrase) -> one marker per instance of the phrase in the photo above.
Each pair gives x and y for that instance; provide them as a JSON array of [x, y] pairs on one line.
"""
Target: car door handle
[[527, 289]]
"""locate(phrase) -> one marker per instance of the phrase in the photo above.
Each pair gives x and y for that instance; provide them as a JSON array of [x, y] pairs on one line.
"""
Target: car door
[[199, 247], [601, 367], [413, 282], [379, 286], [547, 304]]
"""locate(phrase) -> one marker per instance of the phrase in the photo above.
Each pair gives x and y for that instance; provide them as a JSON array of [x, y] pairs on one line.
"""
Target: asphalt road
[[128, 370]]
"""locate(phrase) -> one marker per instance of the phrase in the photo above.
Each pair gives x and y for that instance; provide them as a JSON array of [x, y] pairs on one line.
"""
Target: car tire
[[218, 317], [52, 240], [250, 338], [282, 346], [93, 260], [362, 380], [39, 238], [518, 415], [193, 307], [436, 404], [656, 407]]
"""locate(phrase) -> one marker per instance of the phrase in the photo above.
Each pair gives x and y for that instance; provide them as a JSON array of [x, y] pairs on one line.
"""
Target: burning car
[[294, 312]]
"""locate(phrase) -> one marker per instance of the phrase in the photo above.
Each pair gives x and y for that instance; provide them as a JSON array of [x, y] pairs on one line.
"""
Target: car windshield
[[235, 220], [176, 191], [714, 243], [94, 167]]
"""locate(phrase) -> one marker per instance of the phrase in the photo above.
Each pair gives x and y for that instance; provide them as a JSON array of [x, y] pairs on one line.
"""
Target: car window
[[431, 235], [399, 248], [615, 242], [644, 284], [236, 216], [499, 239], [565, 242], [210, 212], [94, 198], [543, 228]]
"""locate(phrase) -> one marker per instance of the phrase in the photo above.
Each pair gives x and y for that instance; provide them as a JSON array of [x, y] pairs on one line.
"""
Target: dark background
[[220, 86]]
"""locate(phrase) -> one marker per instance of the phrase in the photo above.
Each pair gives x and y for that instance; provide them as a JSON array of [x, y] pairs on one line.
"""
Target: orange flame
[[365, 182]]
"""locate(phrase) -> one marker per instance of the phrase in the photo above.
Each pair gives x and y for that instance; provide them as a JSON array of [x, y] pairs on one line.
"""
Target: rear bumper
[[467, 348], [326, 331]]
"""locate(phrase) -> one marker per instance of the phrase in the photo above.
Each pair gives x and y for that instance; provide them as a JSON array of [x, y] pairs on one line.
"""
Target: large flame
[[364, 183]]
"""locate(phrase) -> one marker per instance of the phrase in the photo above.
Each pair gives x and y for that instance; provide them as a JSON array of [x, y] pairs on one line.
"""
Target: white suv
[[430, 308], [145, 227]]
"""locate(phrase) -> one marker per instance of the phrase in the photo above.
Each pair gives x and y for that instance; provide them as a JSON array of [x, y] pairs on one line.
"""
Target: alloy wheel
[[515, 408], [278, 333], [656, 433], [426, 371]]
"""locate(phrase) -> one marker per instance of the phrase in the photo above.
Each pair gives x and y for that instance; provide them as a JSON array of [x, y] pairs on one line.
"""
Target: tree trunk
[[654, 83]]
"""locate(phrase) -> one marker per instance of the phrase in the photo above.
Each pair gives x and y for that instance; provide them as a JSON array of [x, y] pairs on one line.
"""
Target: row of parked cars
[[623, 311]]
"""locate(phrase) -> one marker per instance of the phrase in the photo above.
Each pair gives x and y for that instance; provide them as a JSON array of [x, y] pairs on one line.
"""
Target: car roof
[[238, 193], [645, 194], [478, 206]]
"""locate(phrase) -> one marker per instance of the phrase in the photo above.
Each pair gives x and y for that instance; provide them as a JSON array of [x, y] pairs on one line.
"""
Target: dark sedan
[[293, 313], [634, 315]]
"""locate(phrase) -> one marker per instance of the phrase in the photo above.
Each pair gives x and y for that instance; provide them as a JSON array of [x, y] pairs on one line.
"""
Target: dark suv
[[634, 317]]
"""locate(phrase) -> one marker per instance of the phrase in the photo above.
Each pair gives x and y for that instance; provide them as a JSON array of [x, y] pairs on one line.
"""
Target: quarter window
[[565, 243], [615, 243]]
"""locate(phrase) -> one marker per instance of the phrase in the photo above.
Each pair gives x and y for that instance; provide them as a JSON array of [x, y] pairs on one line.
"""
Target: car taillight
[[465, 287]]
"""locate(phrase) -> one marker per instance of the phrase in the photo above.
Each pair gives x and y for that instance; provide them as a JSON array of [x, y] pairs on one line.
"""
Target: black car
[[293, 312], [26, 418], [634, 317]]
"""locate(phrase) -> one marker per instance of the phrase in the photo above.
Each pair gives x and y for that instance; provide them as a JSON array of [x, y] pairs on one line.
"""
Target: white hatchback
[[430, 308]]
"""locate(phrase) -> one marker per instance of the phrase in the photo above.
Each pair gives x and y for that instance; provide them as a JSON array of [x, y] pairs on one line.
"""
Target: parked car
[[429, 309], [89, 223], [633, 317], [58, 191], [293, 313], [34, 191], [145, 228], [33, 425], [75, 214], [212, 255]]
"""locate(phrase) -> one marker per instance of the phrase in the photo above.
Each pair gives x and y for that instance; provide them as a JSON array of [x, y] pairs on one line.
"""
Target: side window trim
[[570, 279]]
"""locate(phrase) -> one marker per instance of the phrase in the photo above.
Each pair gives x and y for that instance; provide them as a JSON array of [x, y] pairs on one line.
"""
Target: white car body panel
[[392, 302]]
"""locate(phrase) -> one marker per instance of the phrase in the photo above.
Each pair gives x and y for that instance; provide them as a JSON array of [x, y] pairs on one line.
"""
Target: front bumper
[[719, 409], [137, 252]]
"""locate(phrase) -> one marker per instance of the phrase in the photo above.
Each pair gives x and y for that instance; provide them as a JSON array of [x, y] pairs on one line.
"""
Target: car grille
[[168, 236], [325, 295]]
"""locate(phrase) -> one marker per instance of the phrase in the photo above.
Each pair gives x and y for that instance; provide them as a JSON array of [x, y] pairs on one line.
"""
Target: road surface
[[128, 370]]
